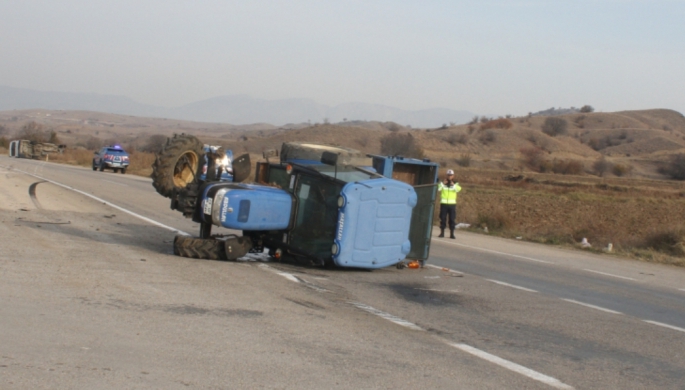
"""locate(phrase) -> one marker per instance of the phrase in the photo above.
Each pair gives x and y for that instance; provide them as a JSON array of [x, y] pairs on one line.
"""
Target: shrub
[[532, 157], [454, 139], [496, 219], [567, 167], [398, 144], [554, 126], [601, 166], [54, 139], [93, 143], [621, 170], [501, 123], [487, 137], [675, 169], [393, 127], [33, 131], [4, 142], [154, 143], [603, 143], [464, 160], [363, 141], [670, 241], [587, 108]]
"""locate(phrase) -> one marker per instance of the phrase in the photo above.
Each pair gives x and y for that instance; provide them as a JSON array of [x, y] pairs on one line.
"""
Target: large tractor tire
[[310, 151], [177, 165], [199, 248]]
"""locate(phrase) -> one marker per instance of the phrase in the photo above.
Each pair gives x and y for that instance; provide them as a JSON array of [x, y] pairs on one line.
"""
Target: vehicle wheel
[[94, 167], [199, 248], [102, 167], [309, 151], [177, 165], [115, 170], [123, 171]]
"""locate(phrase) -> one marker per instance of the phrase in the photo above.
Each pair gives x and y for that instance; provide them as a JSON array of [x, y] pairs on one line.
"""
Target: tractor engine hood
[[247, 206]]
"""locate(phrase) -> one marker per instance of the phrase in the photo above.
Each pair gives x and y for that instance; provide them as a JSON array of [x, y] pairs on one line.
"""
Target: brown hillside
[[640, 140]]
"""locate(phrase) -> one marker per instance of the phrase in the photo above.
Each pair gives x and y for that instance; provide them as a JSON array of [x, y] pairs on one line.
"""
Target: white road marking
[[286, 275], [148, 220], [113, 182], [511, 285], [665, 325], [499, 253], [311, 285], [517, 368], [294, 278], [444, 269], [548, 380], [681, 289], [436, 290], [386, 316], [606, 274], [591, 306]]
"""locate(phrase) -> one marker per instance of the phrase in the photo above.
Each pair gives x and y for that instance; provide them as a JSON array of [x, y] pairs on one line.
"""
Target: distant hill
[[637, 142], [235, 109]]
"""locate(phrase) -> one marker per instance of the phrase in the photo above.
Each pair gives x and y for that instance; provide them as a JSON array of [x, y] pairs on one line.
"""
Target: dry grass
[[640, 221]]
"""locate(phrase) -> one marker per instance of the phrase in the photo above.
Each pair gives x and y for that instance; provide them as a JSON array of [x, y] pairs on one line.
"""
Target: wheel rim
[[184, 171]]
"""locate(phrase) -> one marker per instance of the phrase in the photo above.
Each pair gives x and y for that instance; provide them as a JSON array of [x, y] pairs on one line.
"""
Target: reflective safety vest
[[448, 195]]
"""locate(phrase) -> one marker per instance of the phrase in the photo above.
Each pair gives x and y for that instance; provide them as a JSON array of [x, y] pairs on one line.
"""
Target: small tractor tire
[[177, 165], [199, 248]]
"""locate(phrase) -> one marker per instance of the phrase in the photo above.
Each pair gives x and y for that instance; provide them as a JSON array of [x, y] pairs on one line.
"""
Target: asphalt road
[[92, 297]]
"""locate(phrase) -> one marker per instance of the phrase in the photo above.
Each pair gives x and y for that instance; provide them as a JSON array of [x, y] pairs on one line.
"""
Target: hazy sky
[[486, 56]]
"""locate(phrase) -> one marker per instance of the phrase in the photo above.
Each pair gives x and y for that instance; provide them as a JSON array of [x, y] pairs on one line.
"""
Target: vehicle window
[[279, 176], [317, 215]]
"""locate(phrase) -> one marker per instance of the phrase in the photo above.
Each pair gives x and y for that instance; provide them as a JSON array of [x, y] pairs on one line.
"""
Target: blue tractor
[[324, 205]]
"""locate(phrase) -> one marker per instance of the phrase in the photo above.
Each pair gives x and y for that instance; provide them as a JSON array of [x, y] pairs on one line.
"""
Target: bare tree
[[676, 168], [601, 166], [154, 143], [554, 126], [398, 144], [33, 131]]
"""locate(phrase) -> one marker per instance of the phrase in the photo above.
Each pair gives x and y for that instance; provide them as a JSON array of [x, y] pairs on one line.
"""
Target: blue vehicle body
[[422, 175], [373, 223], [343, 215], [246, 206], [310, 206]]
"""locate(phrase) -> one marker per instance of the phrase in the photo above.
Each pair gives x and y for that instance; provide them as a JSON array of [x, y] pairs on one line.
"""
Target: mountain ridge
[[231, 109]]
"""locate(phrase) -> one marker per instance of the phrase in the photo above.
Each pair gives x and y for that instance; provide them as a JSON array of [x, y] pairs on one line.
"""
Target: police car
[[111, 157]]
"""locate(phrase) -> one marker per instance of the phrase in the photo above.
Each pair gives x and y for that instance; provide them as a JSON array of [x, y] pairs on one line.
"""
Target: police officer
[[448, 203]]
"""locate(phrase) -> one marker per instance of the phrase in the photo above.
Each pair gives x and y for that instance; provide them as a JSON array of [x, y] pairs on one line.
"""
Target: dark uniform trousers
[[448, 210]]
